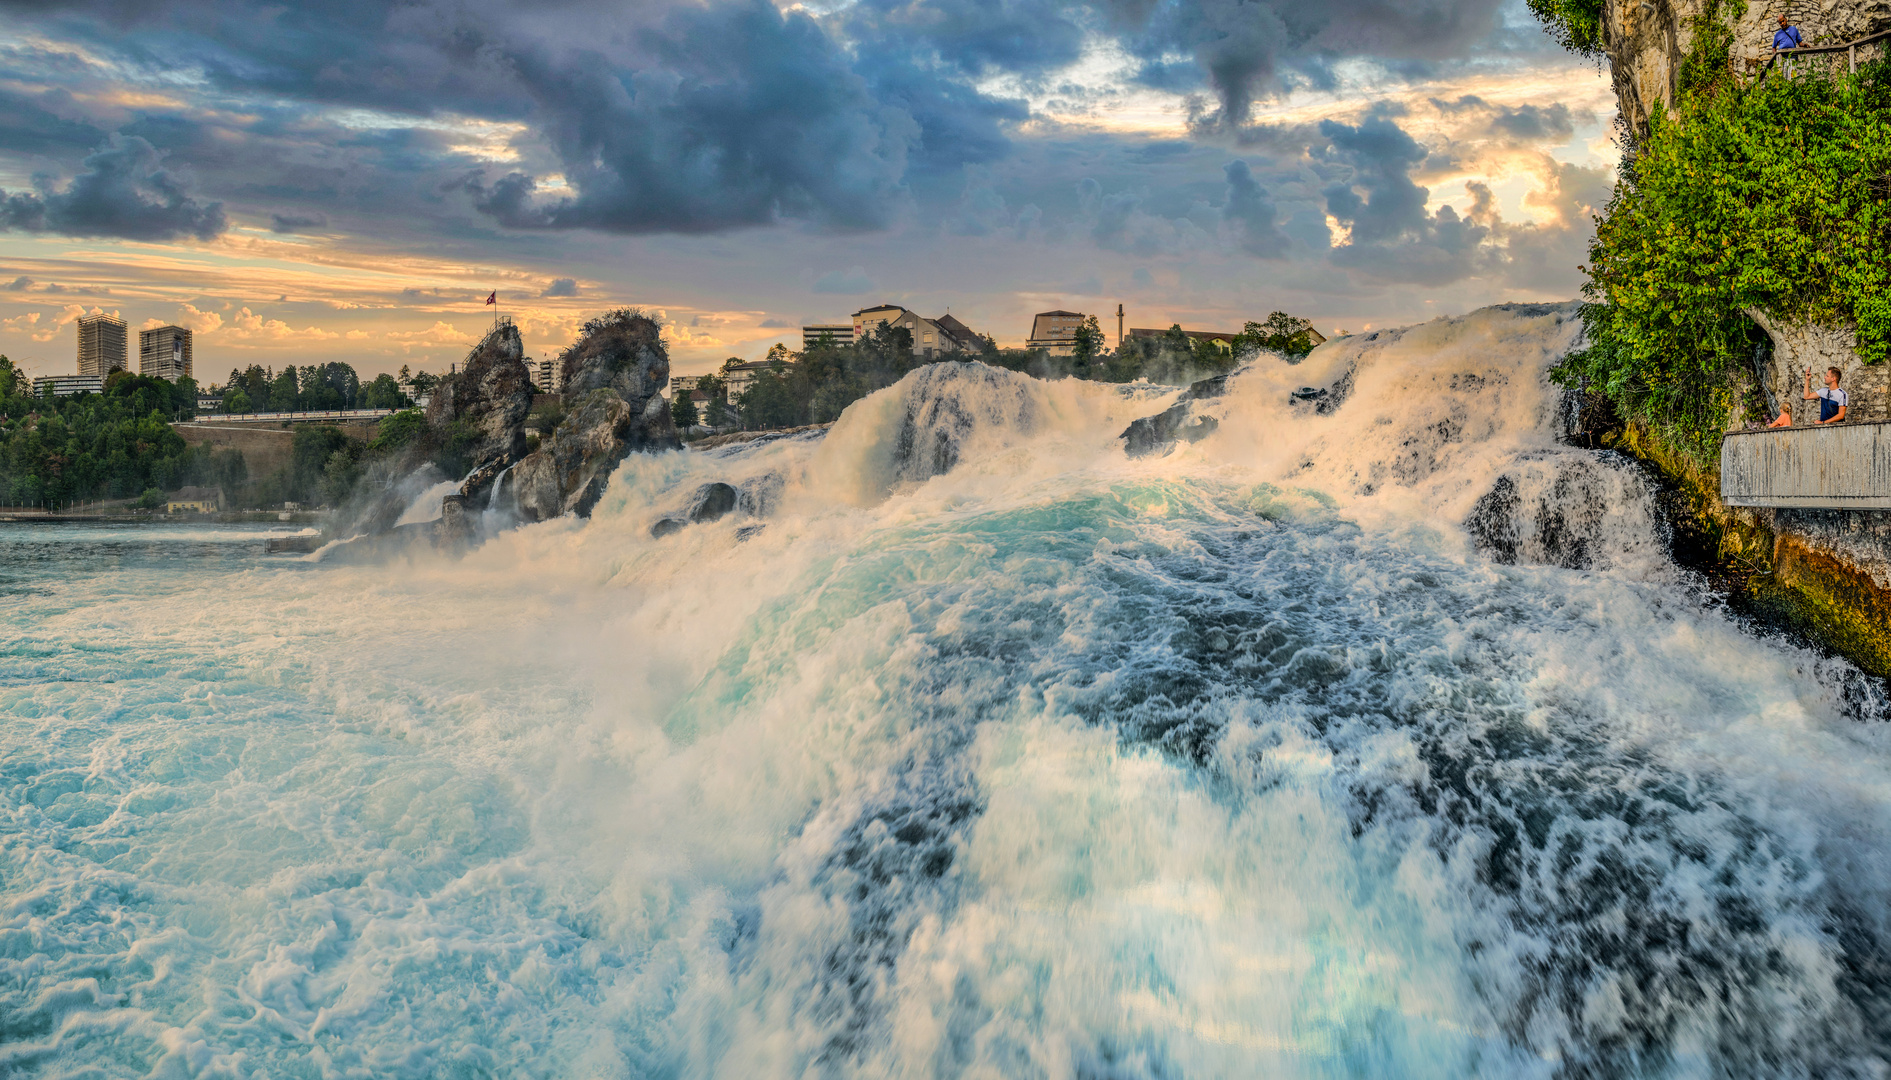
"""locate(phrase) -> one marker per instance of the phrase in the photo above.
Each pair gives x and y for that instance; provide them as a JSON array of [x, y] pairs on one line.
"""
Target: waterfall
[[1371, 733], [492, 499]]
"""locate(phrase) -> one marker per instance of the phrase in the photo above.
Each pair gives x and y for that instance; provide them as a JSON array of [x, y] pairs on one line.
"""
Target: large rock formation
[[614, 379], [1646, 40], [478, 415]]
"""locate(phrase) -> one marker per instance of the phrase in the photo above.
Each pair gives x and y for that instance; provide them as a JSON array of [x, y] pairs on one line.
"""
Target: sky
[[349, 179]]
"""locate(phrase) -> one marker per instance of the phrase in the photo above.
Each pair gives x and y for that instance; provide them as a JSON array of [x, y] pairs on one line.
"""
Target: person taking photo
[[1831, 399]]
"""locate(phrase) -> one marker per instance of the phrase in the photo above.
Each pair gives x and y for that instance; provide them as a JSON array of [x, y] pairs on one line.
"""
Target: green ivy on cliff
[[1575, 24], [1772, 198]]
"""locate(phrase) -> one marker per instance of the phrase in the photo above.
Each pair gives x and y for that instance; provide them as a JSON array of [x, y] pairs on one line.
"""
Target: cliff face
[[1646, 39], [490, 398]]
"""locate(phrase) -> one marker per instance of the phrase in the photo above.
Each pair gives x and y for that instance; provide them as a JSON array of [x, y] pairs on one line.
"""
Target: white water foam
[[992, 752]]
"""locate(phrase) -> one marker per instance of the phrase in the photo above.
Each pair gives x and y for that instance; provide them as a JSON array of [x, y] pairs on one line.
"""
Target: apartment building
[[549, 376], [67, 385], [1055, 331], [102, 345], [164, 352], [931, 337], [840, 333]]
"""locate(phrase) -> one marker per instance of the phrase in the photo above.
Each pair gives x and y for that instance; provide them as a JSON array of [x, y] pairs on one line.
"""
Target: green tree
[[285, 394], [151, 499], [1088, 343], [383, 393], [398, 430], [1575, 24], [1288, 335], [236, 401], [683, 409]]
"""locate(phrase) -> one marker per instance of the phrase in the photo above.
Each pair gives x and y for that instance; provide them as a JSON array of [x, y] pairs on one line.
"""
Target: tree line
[[118, 444], [815, 385], [310, 388]]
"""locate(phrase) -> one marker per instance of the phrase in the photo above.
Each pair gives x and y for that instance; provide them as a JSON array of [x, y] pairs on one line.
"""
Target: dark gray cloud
[[1374, 192], [682, 117], [774, 324], [290, 223], [1247, 50], [125, 191], [1253, 214], [563, 286], [20, 284]]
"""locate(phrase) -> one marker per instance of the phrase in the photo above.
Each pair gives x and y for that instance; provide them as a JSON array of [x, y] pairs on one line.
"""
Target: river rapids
[[1373, 734]]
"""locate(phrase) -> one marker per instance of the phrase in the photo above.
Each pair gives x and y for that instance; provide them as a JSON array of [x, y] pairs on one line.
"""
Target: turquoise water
[[1049, 764]]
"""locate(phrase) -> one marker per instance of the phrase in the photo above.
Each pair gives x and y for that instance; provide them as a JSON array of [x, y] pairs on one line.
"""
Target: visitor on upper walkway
[[1787, 36], [1785, 418], [1830, 398]]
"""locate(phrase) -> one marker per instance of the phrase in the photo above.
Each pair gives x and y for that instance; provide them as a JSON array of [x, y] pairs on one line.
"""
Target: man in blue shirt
[[1830, 398], [1787, 36]]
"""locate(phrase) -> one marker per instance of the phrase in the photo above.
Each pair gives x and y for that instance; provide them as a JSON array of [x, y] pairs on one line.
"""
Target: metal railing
[[293, 417], [1849, 48], [1833, 466]]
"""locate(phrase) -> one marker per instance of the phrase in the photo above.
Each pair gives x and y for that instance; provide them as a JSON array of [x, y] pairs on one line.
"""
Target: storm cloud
[[124, 191]]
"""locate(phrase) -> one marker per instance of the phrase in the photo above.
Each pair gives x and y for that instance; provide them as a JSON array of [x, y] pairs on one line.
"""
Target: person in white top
[[1830, 398]]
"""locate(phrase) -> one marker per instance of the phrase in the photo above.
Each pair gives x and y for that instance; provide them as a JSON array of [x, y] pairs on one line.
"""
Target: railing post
[[1851, 62]]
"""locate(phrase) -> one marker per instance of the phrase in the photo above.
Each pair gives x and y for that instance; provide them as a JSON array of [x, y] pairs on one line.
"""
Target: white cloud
[[249, 326]]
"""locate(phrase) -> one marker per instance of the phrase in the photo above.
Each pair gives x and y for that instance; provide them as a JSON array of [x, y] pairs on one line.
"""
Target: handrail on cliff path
[[1850, 48]]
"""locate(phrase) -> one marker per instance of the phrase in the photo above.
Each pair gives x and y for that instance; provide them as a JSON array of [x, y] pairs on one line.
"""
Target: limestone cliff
[[1645, 40]]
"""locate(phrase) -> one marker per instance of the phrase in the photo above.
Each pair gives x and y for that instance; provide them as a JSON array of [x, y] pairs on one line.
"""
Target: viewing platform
[[1835, 467]]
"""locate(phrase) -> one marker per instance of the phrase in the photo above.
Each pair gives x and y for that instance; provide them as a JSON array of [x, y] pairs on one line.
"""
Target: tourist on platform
[[1787, 36], [1785, 417], [1830, 398]]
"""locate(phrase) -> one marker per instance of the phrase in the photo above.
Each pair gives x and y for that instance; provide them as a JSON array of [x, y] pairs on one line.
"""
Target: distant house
[[931, 337], [1222, 341], [1055, 331], [196, 500], [209, 402], [737, 377]]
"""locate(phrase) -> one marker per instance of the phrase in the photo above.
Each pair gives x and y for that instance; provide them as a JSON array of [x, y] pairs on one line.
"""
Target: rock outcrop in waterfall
[[479, 413], [614, 378]]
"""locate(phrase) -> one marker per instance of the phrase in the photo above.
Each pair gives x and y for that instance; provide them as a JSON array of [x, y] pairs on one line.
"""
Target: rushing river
[[1371, 735]]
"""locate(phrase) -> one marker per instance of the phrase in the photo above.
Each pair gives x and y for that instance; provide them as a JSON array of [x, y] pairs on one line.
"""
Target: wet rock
[[711, 502], [666, 527], [1154, 434], [454, 531], [1211, 387], [747, 531], [567, 474], [614, 381], [758, 496]]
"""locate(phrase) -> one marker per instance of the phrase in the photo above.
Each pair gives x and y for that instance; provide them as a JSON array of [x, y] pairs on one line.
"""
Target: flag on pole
[[492, 297]]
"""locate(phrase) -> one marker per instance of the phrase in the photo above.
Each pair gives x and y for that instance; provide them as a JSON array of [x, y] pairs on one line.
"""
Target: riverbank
[[1824, 575], [232, 517]]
